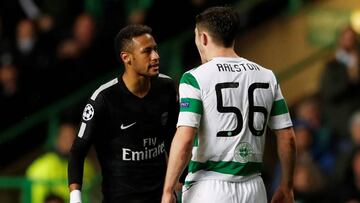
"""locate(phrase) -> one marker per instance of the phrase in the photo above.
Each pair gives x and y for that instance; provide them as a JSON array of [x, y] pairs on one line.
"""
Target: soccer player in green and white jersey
[[226, 105]]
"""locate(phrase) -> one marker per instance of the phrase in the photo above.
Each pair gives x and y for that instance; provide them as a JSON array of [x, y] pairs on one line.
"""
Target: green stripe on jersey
[[191, 105], [196, 141], [189, 79], [279, 107], [226, 167]]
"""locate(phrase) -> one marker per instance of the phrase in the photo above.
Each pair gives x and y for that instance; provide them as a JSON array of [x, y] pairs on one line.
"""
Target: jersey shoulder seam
[[103, 87]]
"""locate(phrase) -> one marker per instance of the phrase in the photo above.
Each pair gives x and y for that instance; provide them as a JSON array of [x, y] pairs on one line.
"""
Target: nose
[[155, 55]]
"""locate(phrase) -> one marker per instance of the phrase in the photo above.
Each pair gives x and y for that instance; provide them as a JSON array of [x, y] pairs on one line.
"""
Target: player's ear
[[125, 57], [204, 38]]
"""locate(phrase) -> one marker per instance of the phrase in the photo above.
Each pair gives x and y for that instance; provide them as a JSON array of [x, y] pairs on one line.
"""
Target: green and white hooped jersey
[[230, 101]]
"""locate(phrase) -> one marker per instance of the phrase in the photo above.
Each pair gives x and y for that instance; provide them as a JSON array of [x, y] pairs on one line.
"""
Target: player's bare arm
[[180, 154], [287, 156]]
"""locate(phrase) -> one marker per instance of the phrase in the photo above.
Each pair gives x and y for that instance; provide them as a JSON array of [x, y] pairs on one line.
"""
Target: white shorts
[[217, 191]]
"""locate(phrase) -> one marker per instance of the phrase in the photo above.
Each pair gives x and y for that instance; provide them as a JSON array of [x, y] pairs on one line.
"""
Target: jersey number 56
[[231, 109]]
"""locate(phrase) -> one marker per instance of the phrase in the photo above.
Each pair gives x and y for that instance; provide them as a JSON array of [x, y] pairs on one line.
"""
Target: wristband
[[75, 196]]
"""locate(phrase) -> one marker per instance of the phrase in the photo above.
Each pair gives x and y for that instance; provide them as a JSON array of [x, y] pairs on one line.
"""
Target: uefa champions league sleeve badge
[[88, 112]]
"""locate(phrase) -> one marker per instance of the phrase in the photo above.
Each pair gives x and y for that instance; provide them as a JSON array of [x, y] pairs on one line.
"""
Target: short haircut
[[222, 23], [124, 38]]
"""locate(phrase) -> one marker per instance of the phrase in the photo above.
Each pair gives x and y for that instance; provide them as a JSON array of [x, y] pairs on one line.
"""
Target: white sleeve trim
[[82, 129], [189, 119], [102, 87], [75, 196], [280, 121]]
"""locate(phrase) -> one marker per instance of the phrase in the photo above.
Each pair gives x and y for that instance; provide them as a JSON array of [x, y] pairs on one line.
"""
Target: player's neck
[[136, 84], [221, 52]]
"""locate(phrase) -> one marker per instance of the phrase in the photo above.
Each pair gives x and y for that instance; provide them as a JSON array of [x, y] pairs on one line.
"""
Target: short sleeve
[[279, 115], [191, 107]]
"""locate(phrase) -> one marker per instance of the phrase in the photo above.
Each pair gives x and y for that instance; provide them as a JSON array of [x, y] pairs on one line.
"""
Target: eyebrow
[[149, 48]]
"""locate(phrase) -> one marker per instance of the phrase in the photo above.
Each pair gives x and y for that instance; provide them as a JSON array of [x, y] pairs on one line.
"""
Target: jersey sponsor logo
[[88, 112], [123, 127], [184, 104], [149, 152]]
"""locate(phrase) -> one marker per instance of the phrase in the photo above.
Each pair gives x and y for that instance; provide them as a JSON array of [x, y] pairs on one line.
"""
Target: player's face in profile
[[145, 56]]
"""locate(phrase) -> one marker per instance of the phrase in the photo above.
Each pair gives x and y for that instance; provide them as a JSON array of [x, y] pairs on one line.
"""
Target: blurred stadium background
[[54, 53]]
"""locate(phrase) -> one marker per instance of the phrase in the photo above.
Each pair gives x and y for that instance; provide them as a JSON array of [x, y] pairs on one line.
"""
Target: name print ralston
[[237, 67]]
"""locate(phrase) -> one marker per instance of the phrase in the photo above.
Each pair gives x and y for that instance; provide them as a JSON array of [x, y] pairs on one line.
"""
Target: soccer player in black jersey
[[130, 121]]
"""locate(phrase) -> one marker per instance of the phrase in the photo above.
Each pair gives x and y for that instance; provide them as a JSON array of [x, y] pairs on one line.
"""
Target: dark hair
[[222, 23], [53, 198], [125, 35]]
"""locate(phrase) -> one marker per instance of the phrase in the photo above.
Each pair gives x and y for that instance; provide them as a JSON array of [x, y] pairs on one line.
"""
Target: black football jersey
[[131, 136]]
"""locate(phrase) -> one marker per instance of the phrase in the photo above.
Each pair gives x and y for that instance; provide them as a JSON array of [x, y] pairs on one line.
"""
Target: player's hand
[[283, 195], [168, 198]]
